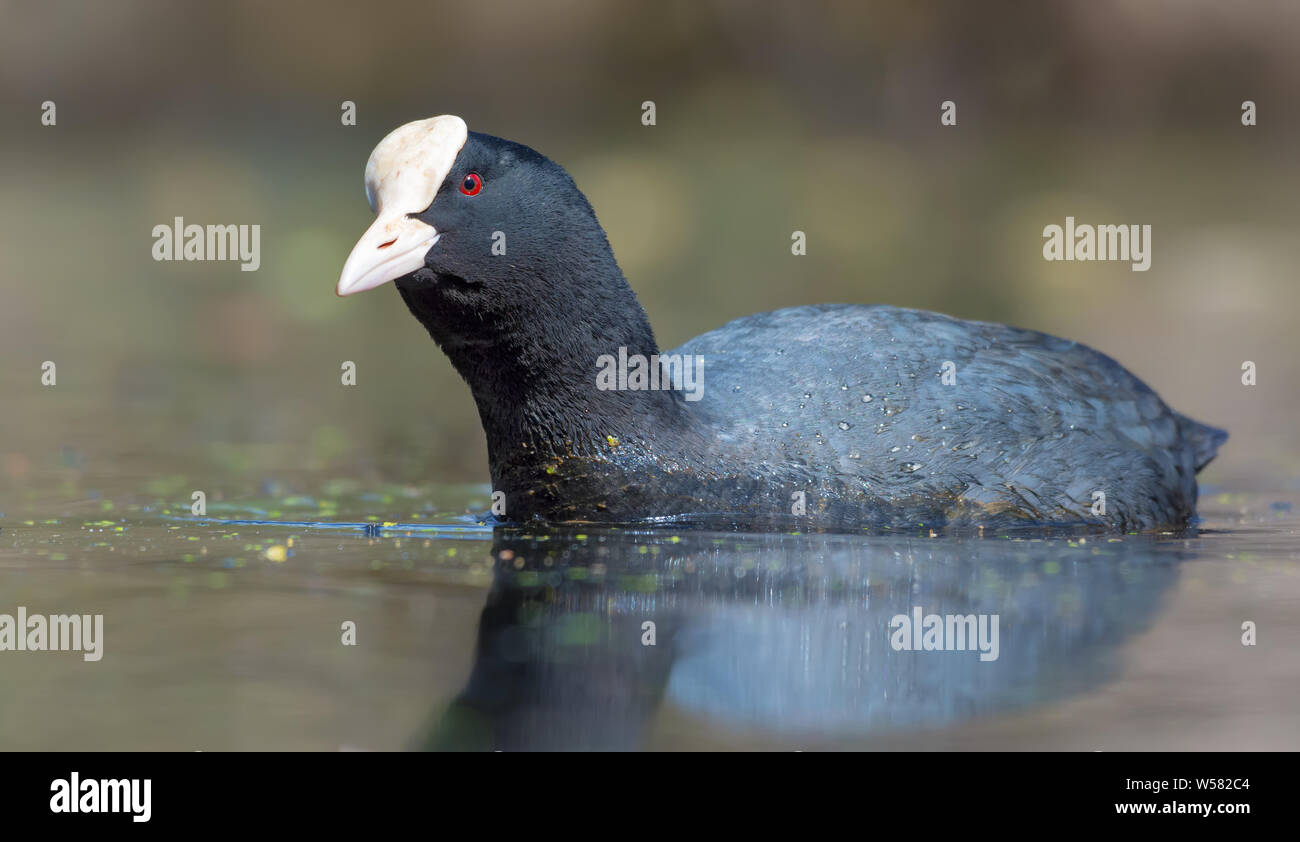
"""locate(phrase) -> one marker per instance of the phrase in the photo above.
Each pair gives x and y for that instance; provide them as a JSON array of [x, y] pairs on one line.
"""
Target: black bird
[[838, 415]]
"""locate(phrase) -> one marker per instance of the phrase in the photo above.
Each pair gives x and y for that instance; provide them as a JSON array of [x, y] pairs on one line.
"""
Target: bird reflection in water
[[585, 637]]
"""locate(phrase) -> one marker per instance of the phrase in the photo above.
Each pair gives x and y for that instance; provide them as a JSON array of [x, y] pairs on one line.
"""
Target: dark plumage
[[844, 403]]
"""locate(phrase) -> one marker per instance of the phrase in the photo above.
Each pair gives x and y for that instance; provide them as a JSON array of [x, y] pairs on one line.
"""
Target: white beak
[[402, 178], [393, 246]]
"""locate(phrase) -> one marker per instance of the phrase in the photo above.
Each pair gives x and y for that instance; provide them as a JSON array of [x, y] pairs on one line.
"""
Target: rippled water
[[330, 504], [225, 631]]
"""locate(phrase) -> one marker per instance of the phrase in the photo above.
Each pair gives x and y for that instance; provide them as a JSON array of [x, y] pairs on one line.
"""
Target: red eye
[[471, 185]]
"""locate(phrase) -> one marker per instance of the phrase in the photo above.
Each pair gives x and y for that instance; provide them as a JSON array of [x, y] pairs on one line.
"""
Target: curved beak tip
[[390, 249]]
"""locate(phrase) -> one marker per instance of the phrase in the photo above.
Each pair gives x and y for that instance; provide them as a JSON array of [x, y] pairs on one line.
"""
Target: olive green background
[[794, 116]]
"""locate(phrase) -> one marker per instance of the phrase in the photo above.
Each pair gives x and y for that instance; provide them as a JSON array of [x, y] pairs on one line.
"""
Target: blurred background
[[771, 118], [801, 116]]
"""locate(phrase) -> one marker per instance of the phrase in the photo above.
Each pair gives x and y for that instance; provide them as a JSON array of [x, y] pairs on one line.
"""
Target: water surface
[[225, 631]]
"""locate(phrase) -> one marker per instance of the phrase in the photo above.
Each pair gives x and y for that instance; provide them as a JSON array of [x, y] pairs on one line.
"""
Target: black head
[[520, 260], [500, 256]]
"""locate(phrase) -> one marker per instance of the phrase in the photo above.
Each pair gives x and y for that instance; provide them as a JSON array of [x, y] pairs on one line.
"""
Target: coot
[[836, 415]]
